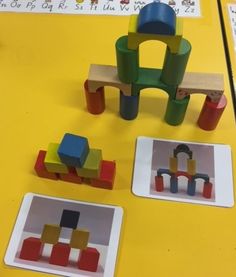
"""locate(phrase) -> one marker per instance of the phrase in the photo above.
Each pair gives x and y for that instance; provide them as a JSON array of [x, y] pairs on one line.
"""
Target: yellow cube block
[[79, 239], [51, 233], [52, 161], [91, 167]]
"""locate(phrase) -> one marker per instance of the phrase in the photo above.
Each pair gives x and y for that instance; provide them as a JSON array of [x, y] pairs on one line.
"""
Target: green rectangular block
[[91, 167], [52, 161]]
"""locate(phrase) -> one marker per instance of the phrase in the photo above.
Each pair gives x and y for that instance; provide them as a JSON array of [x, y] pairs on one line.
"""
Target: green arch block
[[127, 61], [150, 78]]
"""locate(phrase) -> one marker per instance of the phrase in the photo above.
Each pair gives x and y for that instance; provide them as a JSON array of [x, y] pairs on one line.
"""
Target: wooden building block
[[157, 18], [69, 219], [52, 161], [79, 239], [107, 175], [105, 75], [211, 113], [71, 176], [173, 164], [191, 166], [51, 233], [40, 168], [73, 150], [135, 38], [211, 84], [31, 249], [88, 259], [91, 167], [95, 101], [60, 254]]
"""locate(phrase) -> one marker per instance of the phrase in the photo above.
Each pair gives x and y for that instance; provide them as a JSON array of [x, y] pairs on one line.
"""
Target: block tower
[[191, 174], [88, 257], [156, 21], [74, 161]]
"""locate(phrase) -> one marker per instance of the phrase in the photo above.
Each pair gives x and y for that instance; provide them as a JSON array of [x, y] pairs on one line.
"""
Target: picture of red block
[[60, 254], [31, 249], [88, 259]]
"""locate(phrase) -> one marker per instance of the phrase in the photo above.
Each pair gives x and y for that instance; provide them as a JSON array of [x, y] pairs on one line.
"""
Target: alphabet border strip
[[183, 8]]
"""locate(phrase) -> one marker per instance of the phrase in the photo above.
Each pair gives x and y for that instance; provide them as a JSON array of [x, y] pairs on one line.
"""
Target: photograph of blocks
[[183, 171], [64, 237]]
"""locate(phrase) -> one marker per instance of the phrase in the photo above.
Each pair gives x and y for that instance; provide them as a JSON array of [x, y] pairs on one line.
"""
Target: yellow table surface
[[44, 60]]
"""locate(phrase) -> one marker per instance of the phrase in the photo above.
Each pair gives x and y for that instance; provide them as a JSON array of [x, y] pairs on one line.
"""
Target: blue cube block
[[73, 150]]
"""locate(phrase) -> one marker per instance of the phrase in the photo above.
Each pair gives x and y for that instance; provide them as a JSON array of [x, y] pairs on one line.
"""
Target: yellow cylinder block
[[191, 167], [173, 164]]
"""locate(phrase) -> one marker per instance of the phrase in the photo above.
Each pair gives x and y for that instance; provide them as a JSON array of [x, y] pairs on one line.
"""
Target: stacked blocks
[[191, 174], [156, 21], [74, 161], [88, 257]]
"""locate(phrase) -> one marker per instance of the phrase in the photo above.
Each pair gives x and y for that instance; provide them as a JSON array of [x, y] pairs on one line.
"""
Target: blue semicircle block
[[157, 18]]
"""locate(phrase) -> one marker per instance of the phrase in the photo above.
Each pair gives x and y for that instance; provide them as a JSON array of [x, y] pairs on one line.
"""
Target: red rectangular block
[[60, 254], [71, 176], [107, 175], [88, 259], [31, 249], [40, 168]]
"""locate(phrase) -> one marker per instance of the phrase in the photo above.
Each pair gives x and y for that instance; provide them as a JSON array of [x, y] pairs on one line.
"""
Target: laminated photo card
[[182, 171], [65, 237]]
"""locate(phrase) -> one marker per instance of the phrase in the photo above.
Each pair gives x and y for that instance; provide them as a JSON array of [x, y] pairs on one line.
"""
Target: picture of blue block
[[73, 150], [157, 18]]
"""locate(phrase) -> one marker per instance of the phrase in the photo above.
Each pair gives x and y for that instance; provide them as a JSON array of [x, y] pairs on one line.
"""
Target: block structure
[[88, 257], [156, 21], [74, 161], [191, 174]]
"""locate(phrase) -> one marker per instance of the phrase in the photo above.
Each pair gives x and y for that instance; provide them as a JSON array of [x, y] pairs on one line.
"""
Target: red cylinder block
[[159, 183], [95, 100], [207, 190], [211, 113]]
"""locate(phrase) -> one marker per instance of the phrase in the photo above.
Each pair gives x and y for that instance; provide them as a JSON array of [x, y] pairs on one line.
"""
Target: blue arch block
[[157, 18]]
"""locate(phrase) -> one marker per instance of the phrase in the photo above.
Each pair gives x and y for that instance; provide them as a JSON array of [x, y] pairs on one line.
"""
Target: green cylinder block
[[175, 111], [127, 61], [175, 64]]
